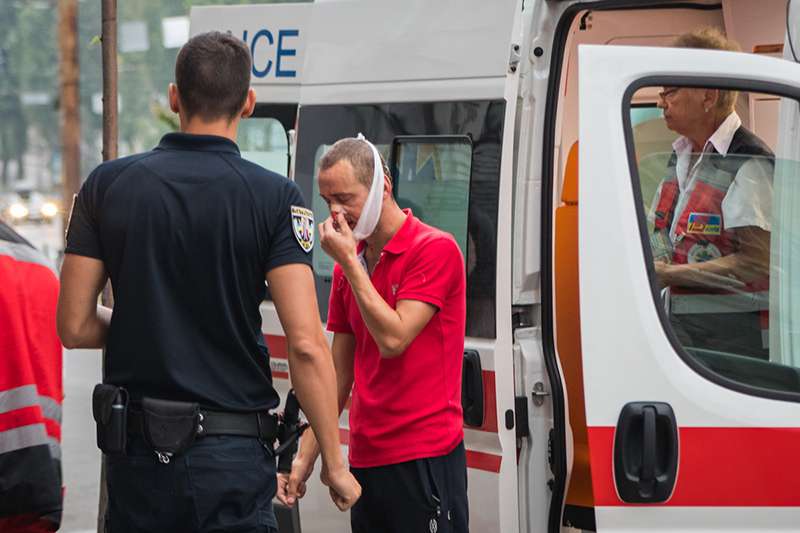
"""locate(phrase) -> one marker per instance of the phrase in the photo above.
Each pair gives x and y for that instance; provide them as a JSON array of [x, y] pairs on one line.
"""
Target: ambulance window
[[719, 185], [431, 177], [264, 141]]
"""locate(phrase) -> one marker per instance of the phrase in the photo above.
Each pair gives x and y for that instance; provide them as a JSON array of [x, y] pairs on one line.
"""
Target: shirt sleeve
[[83, 236], [433, 273], [748, 201], [287, 240], [337, 310]]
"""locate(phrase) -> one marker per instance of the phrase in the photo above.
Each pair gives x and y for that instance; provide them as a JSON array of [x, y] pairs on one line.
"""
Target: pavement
[[81, 458]]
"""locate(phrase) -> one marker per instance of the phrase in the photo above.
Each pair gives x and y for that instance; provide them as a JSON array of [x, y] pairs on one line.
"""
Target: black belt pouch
[[169, 427], [110, 412]]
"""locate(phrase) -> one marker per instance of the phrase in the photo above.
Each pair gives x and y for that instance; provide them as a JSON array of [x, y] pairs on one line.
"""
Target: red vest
[[700, 233], [31, 389]]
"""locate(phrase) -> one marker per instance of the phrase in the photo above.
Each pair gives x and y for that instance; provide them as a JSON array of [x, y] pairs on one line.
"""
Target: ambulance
[[531, 130]]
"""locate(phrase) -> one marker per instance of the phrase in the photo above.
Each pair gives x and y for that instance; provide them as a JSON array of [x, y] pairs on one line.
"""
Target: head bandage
[[371, 211]]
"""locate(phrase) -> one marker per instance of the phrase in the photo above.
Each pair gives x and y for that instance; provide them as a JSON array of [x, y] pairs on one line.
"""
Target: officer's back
[[188, 231]]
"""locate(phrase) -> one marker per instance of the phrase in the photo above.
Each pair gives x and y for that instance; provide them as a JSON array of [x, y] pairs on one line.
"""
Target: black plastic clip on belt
[[289, 431]]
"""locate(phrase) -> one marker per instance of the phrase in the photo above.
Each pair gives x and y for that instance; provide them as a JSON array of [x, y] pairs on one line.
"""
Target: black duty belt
[[261, 425]]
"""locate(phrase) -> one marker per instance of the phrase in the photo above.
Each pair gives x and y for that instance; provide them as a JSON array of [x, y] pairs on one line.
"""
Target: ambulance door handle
[[472, 388], [648, 470], [646, 452]]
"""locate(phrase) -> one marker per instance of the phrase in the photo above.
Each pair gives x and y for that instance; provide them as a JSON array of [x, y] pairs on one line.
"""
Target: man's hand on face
[[337, 239], [345, 490]]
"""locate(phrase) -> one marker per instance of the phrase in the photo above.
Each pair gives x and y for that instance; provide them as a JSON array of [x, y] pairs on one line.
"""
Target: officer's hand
[[283, 490], [292, 487], [339, 243], [345, 490]]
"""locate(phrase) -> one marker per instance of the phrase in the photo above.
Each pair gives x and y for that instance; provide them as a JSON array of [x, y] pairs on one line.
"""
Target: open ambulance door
[[693, 389]]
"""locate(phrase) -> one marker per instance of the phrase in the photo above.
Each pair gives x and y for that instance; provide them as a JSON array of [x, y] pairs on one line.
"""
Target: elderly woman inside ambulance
[[711, 217]]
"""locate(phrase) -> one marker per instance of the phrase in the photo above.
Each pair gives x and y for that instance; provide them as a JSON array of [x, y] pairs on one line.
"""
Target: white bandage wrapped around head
[[371, 211]]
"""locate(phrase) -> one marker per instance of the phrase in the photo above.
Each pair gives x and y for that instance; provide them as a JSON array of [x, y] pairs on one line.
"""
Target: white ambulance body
[[583, 409]]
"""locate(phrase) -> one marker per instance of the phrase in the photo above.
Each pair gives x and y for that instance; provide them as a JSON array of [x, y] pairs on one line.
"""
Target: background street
[[81, 458]]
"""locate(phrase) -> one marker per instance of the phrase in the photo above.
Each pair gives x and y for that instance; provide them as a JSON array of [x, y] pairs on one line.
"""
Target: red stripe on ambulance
[[719, 467]]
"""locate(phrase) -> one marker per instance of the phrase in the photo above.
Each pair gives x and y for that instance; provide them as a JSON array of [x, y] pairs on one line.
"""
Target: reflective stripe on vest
[[24, 253], [29, 435]]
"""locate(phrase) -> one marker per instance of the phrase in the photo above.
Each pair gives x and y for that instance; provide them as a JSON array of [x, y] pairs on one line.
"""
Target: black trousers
[[425, 495], [220, 484]]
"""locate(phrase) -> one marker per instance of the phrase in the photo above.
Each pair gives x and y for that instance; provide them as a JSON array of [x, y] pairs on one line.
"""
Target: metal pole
[[110, 141], [109, 40], [70, 103]]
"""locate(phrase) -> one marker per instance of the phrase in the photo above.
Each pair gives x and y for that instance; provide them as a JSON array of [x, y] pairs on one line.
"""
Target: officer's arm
[[310, 362], [344, 349], [749, 263], [81, 322]]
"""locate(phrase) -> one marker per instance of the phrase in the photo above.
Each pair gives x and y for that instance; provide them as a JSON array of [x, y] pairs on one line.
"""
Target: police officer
[[187, 233]]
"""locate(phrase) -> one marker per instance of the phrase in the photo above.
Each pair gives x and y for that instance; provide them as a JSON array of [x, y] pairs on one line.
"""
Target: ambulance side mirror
[[472, 388]]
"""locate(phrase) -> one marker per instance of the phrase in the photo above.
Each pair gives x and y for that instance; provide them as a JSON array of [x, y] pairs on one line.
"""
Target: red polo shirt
[[407, 407]]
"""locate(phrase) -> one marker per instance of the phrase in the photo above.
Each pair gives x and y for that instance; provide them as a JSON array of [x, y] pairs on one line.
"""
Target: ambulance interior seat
[[579, 509]]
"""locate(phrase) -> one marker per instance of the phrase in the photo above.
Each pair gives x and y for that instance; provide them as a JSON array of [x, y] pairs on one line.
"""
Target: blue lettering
[[263, 33], [288, 52]]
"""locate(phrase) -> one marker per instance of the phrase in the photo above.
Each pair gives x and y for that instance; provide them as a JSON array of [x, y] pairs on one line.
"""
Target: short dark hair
[[212, 73]]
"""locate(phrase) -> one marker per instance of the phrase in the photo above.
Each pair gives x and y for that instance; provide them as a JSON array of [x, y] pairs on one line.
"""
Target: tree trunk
[[70, 109]]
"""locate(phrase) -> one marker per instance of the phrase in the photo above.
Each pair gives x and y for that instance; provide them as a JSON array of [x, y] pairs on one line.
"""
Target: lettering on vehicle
[[704, 224], [270, 50]]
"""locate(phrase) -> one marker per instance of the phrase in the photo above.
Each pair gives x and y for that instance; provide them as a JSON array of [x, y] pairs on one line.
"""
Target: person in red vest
[[712, 218], [31, 389]]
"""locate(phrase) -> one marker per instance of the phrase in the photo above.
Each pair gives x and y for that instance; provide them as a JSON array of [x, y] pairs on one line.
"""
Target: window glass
[[432, 178], [720, 191], [264, 142]]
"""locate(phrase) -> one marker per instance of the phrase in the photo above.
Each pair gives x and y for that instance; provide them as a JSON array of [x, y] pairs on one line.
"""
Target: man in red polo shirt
[[397, 310]]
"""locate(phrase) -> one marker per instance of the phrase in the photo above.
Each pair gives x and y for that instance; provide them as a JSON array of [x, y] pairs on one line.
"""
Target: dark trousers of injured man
[[221, 483], [425, 495]]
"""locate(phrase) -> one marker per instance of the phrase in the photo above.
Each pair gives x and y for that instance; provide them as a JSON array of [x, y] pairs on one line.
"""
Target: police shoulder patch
[[303, 227]]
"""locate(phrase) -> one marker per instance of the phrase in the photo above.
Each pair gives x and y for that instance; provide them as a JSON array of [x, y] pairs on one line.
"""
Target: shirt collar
[[720, 139], [401, 240], [199, 143]]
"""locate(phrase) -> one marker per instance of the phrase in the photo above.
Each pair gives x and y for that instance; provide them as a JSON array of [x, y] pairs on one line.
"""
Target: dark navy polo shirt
[[187, 233]]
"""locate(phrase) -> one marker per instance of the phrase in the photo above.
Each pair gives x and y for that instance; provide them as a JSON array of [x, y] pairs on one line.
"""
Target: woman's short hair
[[711, 38]]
